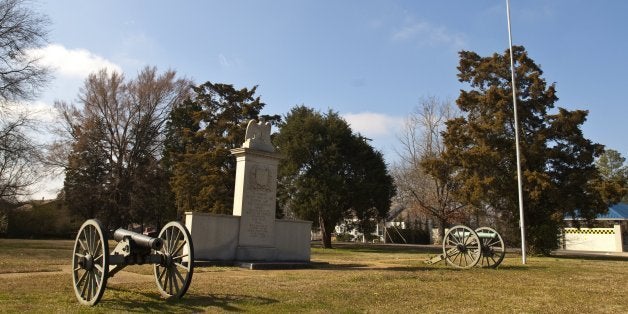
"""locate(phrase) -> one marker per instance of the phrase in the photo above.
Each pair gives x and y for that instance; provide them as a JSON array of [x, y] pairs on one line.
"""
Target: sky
[[371, 61]]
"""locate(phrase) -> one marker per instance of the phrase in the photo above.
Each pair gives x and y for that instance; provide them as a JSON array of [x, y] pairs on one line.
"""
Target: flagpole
[[514, 102]]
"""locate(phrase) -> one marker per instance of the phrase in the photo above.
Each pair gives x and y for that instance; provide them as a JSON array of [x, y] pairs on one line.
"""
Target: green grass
[[347, 279]]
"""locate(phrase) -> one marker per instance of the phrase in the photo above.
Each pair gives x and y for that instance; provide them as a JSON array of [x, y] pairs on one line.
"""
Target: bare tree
[[20, 156], [21, 78], [117, 135], [21, 29], [419, 184]]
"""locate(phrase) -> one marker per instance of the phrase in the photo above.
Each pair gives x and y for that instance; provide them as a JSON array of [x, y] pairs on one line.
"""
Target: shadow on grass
[[518, 267], [364, 267], [328, 266], [592, 257], [189, 303], [383, 248]]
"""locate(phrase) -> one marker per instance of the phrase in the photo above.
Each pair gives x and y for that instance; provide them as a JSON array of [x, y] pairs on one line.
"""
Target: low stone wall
[[215, 238], [292, 240], [593, 239]]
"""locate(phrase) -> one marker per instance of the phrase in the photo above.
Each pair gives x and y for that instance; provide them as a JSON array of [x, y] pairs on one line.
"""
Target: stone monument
[[252, 233]]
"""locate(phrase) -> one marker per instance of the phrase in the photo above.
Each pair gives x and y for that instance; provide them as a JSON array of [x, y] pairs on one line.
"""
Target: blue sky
[[372, 61]]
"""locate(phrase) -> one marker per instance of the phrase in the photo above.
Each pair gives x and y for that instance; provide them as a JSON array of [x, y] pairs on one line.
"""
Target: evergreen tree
[[329, 173], [614, 173], [559, 175], [85, 185], [201, 132], [371, 187]]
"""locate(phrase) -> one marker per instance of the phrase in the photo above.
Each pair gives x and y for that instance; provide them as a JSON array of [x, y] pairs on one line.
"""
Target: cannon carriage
[[171, 254], [464, 248]]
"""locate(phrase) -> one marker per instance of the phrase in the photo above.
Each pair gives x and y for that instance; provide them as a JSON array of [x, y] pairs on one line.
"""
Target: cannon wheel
[[90, 262], [461, 247], [174, 273], [493, 249]]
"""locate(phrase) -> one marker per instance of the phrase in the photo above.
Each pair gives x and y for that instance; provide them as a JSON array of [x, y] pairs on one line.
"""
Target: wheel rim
[[90, 262], [174, 274], [461, 247], [493, 249]]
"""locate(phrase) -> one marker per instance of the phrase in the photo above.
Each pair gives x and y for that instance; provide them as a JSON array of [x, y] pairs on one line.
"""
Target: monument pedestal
[[255, 202]]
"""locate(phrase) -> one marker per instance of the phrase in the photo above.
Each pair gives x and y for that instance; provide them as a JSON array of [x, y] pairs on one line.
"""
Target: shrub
[[344, 237]]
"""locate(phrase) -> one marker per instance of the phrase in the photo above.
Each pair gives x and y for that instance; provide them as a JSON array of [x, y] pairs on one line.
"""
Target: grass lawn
[[35, 277]]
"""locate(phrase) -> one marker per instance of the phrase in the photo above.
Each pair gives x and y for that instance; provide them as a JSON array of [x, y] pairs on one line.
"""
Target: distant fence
[[593, 239]]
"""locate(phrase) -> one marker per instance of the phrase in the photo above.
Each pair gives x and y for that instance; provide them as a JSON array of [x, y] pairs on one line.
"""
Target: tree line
[[459, 164], [146, 149]]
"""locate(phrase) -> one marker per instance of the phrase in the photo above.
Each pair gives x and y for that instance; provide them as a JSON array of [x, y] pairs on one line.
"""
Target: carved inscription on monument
[[258, 212]]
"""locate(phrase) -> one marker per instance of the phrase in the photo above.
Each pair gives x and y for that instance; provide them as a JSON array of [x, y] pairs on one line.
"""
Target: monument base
[[215, 239], [258, 265], [273, 265], [255, 254]]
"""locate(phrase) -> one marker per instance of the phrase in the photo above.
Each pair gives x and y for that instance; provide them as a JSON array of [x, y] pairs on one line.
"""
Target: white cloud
[[72, 63], [42, 111], [428, 34], [372, 124]]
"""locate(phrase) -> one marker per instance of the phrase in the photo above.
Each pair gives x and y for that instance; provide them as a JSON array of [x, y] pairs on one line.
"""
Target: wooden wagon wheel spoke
[[169, 240], [175, 240], [451, 252], [90, 262], [181, 266], [464, 259], [179, 276], [88, 247], [492, 242], [467, 254], [181, 245], [167, 283], [174, 280], [180, 257], [493, 249], [161, 275], [82, 278], [456, 239], [171, 279], [90, 239], [172, 276], [83, 245], [461, 247], [87, 286]]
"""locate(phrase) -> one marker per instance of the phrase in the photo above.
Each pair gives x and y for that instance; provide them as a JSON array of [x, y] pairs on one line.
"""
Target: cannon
[[171, 254], [464, 248]]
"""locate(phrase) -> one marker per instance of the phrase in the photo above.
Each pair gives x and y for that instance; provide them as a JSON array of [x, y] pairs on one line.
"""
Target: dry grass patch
[[351, 279]]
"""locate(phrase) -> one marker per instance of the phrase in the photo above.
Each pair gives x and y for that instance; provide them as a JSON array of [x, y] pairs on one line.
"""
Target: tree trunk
[[441, 229], [326, 233]]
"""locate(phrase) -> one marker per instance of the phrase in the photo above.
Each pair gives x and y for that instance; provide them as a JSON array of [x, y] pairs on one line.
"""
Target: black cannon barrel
[[138, 238]]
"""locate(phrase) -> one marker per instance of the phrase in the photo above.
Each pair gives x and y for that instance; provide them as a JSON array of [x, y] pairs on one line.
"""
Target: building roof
[[615, 212]]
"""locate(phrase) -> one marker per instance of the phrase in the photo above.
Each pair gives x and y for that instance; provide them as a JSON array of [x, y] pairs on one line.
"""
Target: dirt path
[[120, 277]]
